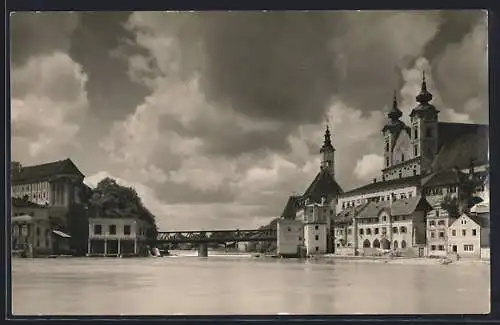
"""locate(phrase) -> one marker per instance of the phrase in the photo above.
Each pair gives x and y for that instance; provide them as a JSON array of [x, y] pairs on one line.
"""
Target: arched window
[[366, 243], [395, 244], [395, 230], [376, 243], [402, 229], [403, 244]]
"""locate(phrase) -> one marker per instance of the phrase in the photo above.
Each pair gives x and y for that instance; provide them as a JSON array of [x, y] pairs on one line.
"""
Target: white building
[[116, 236], [290, 237], [468, 234]]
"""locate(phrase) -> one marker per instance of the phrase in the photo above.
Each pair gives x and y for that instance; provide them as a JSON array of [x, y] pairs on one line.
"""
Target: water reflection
[[223, 285]]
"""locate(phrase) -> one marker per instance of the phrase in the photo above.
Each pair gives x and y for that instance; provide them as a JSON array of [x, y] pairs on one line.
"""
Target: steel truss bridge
[[215, 236]]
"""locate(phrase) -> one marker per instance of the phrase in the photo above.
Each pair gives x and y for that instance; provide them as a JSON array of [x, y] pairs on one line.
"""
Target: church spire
[[395, 113], [425, 96], [327, 143]]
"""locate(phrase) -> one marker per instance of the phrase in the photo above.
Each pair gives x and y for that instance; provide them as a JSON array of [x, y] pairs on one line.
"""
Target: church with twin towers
[[424, 161]]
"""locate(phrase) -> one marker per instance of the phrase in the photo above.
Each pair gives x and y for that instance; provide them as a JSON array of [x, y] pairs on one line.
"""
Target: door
[[454, 248]]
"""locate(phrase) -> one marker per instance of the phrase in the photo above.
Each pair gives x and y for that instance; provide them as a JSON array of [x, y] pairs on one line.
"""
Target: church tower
[[424, 129], [328, 154], [391, 130]]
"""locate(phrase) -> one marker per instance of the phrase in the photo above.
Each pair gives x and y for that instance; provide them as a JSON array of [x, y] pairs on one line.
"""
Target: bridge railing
[[216, 236]]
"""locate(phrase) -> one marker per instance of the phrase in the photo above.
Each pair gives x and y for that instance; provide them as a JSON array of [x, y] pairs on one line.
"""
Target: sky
[[215, 118]]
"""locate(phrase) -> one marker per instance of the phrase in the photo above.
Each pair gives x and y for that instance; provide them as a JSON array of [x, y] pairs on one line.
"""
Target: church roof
[[291, 207], [378, 186], [323, 185], [45, 171], [459, 143], [444, 178]]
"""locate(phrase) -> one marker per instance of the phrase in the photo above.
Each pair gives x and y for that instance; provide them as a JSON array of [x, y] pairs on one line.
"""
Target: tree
[[111, 200], [465, 199]]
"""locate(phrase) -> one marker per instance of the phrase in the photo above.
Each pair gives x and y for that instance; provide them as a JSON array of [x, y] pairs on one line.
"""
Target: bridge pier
[[203, 250]]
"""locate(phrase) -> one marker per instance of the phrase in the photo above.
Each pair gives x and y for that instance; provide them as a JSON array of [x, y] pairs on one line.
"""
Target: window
[[464, 232], [387, 162], [343, 205], [441, 247], [361, 231], [316, 227], [349, 231], [375, 231], [453, 232], [316, 237], [127, 229], [402, 230], [433, 234], [402, 157], [415, 150], [395, 230], [384, 218], [98, 229], [387, 146], [317, 248], [300, 238], [441, 234], [289, 229], [432, 223], [433, 247], [368, 231], [410, 193], [468, 248], [473, 232], [440, 222], [415, 133], [112, 229], [400, 174]]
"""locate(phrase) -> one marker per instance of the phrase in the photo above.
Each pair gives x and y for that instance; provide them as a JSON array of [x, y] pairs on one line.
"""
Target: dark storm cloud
[[111, 93], [275, 65], [40, 33]]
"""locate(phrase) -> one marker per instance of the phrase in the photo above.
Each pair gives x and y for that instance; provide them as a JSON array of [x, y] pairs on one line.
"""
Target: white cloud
[[369, 165], [48, 102]]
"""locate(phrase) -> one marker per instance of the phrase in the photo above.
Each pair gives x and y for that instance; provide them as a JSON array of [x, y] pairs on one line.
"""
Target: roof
[[323, 185], [24, 203], [378, 186], [46, 171], [347, 214], [482, 219], [397, 208], [444, 178], [459, 144], [291, 207]]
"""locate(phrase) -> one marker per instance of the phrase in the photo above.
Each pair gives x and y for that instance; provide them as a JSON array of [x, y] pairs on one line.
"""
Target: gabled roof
[[400, 207], [482, 219], [459, 144], [379, 186], [46, 171], [323, 185]]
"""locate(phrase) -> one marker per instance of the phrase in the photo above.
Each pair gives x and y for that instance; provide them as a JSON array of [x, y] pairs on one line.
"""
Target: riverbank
[[398, 260]]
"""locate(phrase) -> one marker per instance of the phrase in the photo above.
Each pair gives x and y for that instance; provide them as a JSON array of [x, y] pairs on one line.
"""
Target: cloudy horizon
[[217, 117]]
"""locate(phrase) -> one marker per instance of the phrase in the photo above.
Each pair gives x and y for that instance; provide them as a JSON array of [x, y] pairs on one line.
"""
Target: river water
[[243, 285]]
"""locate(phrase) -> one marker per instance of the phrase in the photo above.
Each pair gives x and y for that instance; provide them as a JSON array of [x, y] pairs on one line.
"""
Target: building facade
[[290, 237], [116, 237], [465, 237], [33, 232], [59, 187]]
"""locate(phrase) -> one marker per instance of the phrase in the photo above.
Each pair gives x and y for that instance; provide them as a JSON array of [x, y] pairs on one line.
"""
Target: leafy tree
[[111, 200], [465, 200]]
